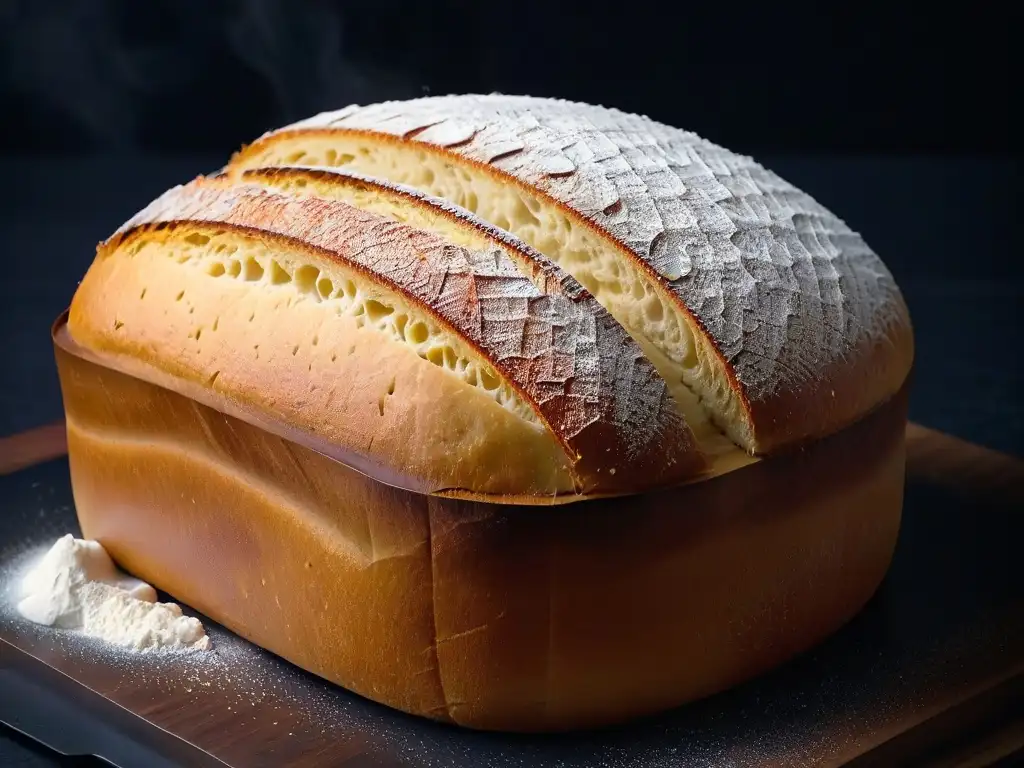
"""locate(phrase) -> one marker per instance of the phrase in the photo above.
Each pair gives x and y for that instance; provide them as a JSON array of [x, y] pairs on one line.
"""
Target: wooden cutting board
[[930, 673]]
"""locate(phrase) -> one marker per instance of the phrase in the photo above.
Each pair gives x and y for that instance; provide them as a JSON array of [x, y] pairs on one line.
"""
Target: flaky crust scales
[[602, 400], [808, 320], [547, 275]]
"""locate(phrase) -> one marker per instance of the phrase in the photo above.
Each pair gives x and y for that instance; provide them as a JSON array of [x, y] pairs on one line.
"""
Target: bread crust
[[489, 616], [545, 274], [805, 320], [601, 399]]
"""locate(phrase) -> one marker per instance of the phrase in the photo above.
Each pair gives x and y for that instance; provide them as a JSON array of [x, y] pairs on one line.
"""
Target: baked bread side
[[486, 615], [386, 340], [779, 317]]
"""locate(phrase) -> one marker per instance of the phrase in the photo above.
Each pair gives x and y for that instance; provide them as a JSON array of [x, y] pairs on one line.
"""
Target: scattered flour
[[76, 585]]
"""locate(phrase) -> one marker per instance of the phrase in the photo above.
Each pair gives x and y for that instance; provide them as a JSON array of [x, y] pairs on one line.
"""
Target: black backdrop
[[899, 119], [755, 76]]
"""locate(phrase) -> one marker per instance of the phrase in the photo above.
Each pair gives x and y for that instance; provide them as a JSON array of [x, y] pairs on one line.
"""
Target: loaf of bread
[[321, 394]]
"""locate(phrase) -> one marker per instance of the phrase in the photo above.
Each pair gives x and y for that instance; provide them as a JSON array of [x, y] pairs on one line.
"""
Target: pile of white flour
[[76, 585]]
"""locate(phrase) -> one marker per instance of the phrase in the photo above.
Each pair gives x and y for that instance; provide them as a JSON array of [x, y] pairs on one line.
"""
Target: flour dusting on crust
[[783, 287]]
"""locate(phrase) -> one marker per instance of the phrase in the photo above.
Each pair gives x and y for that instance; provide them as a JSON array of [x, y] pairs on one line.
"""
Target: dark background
[[898, 118], [173, 75], [901, 119]]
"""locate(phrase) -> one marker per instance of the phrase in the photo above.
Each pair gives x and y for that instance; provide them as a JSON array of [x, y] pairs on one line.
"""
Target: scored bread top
[[797, 326], [403, 202], [558, 351]]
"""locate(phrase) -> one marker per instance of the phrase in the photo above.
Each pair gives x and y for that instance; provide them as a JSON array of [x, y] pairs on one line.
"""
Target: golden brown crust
[[547, 276], [802, 317], [375, 400], [246, 163], [570, 361], [435, 214], [484, 615]]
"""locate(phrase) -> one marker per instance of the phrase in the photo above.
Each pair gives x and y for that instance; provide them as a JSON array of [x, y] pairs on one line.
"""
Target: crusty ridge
[[544, 273], [594, 389], [795, 306], [456, 224]]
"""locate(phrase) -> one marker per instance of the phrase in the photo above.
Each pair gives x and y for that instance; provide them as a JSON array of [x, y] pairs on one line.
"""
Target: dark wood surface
[[950, 695], [32, 447]]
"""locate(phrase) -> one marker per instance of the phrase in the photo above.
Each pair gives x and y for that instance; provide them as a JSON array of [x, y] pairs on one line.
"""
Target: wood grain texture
[[976, 727], [949, 461], [32, 447]]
